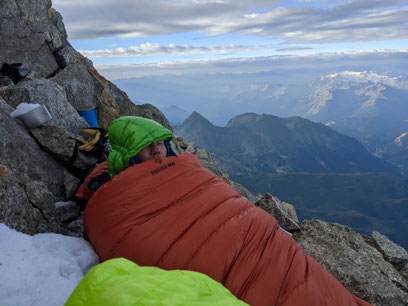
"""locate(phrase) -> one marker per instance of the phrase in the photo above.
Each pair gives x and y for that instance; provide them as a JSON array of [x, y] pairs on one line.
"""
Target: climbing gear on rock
[[14, 71], [97, 144], [89, 145]]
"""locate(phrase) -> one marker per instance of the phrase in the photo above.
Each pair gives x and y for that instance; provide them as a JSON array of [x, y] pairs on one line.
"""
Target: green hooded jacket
[[130, 134], [121, 282]]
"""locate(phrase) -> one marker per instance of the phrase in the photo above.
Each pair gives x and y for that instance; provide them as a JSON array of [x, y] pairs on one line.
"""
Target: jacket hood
[[130, 134]]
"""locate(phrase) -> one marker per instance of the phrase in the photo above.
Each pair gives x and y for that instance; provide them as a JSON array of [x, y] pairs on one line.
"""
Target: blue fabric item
[[170, 151], [284, 230], [90, 117], [135, 160]]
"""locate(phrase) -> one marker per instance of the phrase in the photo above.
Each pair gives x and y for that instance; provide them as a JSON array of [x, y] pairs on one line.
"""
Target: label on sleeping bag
[[162, 168]]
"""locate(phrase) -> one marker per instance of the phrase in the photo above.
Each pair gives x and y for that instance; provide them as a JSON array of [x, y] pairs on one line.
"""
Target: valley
[[365, 202]]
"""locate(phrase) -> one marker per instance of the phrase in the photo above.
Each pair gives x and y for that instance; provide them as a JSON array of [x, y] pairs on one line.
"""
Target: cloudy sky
[[162, 33]]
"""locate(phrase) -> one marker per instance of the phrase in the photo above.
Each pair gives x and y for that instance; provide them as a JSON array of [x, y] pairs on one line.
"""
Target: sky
[[163, 35], [42, 269]]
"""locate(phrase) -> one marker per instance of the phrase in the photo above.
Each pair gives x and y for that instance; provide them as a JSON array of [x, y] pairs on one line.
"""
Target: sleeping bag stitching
[[306, 273], [243, 234], [304, 280], [218, 228], [149, 216], [256, 268], [199, 218]]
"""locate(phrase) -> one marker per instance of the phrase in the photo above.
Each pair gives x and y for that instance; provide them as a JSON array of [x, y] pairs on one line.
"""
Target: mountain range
[[271, 144], [371, 107], [367, 106]]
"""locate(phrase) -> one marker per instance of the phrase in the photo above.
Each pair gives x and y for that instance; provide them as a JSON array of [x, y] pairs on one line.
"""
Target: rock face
[[43, 166], [31, 31], [362, 268], [393, 253], [283, 212], [34, 183]]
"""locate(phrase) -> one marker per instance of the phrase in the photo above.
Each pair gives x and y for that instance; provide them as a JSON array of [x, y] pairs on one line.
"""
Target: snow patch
[[64, 204], [23, 108], [399, 141], [43, 269]]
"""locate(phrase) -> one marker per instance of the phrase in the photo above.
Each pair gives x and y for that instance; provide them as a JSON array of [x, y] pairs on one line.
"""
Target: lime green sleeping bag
[[121, 282]]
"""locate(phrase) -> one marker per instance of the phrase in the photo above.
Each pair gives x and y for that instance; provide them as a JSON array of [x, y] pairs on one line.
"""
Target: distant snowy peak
[[402, 141], [347, 79], [351, 95], [363, 77]]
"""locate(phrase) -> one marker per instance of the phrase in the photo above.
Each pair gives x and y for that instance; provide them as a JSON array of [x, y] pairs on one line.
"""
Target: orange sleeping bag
[[175, 214]]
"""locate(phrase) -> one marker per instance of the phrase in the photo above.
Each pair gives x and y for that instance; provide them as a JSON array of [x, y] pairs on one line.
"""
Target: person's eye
[[160, 142]]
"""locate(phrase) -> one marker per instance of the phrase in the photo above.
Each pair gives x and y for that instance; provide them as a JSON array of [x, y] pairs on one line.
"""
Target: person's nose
[[155, 149]]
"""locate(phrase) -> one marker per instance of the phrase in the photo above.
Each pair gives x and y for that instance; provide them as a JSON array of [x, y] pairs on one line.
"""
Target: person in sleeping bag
[[172, 213]]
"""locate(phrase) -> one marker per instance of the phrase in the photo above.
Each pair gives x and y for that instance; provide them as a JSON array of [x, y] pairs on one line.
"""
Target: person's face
[[154, 150]]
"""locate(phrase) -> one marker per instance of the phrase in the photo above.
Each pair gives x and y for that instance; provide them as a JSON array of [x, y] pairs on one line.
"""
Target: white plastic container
[[35, 117]]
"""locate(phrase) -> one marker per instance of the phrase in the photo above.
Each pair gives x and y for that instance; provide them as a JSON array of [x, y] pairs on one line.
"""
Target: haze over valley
[[369, 106]]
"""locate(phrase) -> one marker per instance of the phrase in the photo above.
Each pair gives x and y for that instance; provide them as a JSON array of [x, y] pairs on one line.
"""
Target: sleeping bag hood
[[130, 134]]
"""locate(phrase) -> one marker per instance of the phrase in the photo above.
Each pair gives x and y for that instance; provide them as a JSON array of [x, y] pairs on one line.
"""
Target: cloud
[[334, 21], [155, 49], [294, 48], [128, 18], [283, 67]]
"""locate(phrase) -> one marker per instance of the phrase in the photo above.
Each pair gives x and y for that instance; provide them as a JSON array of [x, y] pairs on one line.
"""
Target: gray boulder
[[392, 252], [56, 141], [30, 31], [35, 180], [283, 212], [50, 94], [111, 102], [78, 86], [67, 55], [63, 146], [361, 268]]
